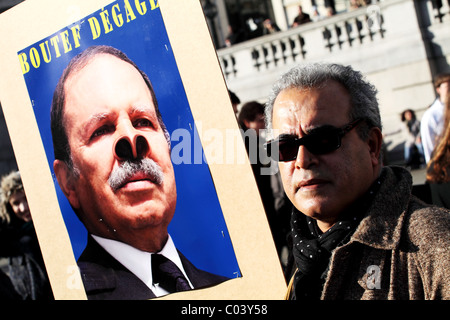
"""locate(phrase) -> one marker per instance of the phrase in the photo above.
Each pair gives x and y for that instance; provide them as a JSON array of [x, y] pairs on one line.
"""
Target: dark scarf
[[312, 249]]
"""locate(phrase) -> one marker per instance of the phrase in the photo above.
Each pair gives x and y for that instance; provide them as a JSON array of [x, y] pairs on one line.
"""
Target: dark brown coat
[[400, 250]]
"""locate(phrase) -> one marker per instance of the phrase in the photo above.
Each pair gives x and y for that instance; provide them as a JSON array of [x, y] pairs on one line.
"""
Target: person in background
[[235, 36], [356, 4], [234, 101], [301, 18], [413, 145], [270, 27], [251, 116], [19, 242], [315, 14], [7, 291], [438, 169], [432, 122], [252, 121]]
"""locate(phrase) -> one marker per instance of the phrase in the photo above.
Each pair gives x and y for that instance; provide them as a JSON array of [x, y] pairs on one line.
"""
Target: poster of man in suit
[[115, 96]]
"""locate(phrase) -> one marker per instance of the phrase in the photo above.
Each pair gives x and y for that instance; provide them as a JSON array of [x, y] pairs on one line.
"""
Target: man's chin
[[146, 215], [315, 209]]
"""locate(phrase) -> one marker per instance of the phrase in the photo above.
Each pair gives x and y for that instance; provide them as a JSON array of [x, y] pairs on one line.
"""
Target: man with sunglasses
[[357, 233]]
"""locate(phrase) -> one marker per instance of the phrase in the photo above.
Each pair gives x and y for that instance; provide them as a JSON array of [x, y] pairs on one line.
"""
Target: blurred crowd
[[257, 25]]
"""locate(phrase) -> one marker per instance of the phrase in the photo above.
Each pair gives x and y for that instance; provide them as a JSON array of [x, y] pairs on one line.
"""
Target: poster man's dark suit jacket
[[105, 278]]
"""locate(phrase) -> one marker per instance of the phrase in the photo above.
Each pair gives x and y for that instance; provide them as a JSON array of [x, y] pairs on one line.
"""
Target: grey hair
[[314, 75]]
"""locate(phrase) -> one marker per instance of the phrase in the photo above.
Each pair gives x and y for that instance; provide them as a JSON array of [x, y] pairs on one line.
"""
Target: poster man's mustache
[[128, 169]]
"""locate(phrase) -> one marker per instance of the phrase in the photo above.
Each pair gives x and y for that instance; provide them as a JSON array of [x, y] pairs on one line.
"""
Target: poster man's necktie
[[167, 274]]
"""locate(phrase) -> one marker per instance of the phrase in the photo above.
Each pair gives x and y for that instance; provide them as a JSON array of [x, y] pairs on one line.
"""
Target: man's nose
[[130, 145], [305, 158]]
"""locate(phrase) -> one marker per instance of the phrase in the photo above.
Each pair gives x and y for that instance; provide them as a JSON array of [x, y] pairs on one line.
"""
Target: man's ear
[[66, 181], [375, 141]]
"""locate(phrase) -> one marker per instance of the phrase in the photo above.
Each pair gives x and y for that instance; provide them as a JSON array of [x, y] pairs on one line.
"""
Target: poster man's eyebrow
[[142, 109], [98, 117], [93, 119]]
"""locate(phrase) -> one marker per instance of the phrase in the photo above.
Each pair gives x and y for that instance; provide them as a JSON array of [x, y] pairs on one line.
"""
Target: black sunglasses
[[322, 140]]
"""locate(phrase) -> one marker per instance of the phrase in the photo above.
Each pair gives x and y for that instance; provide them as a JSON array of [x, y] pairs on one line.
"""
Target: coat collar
[[382, 224]]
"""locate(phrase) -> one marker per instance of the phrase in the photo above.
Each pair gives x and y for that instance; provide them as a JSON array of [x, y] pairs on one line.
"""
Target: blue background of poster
[[198, 227]]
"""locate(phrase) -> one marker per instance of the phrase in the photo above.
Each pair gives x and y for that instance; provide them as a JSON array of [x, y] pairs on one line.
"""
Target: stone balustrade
[[306, 42]]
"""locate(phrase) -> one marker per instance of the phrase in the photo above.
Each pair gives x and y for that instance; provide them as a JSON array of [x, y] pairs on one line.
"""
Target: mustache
[[127, 169]]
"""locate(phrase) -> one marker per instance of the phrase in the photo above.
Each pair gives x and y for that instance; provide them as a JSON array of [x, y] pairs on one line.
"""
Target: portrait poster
[[218, 229]]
